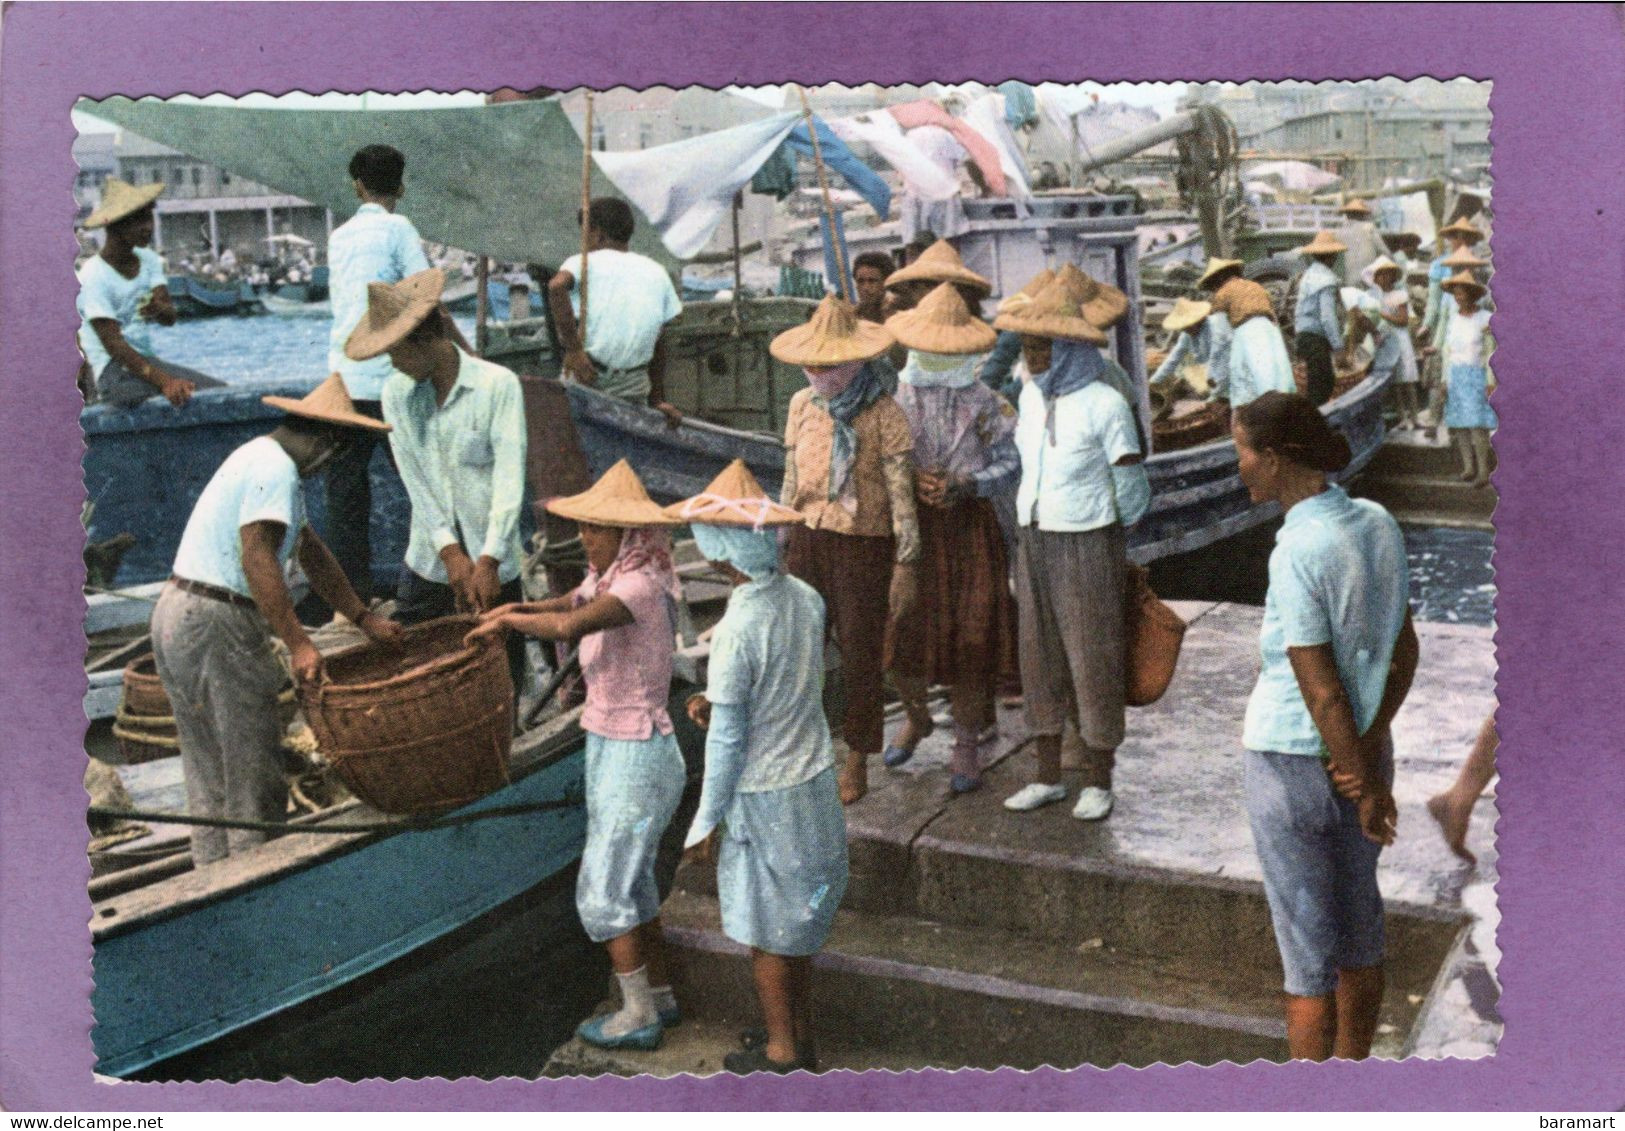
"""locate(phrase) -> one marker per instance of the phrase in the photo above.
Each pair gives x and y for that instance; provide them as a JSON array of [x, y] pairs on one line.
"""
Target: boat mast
[[823, 187]]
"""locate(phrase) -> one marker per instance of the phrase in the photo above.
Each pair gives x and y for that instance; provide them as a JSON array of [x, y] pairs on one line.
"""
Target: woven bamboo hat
[[1056, 312], [1103, 304], [939, 263], [834, 335], [617, 499], [942, 323], [1186, 313], [329, 403], [734, 498], [1462, 281], [1026, 294], [1216, 266], [1462, 230], [1463, 260], [1324, 243], [1356, 208], [120, 200], [1379, 265], [393, 311]]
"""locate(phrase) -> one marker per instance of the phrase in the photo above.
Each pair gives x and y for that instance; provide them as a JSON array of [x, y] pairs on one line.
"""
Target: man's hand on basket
[[460, 577], [381, 630], [485, 586], [306, 662]]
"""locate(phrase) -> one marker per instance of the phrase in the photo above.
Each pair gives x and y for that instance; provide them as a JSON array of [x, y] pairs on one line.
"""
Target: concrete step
[[931, 993], [698, 1045]]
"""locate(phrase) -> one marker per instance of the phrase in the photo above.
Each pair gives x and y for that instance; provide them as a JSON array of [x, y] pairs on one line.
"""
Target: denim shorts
[[1320, 872]]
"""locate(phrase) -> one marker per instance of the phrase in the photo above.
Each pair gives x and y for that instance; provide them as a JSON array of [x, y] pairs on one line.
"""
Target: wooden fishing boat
[[195, 298], [305, 955]]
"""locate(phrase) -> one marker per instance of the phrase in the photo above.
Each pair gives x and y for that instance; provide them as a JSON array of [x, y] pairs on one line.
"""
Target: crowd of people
[[940, 532]]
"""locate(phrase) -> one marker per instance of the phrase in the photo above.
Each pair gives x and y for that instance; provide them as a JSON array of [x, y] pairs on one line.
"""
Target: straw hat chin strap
[[754, 511]]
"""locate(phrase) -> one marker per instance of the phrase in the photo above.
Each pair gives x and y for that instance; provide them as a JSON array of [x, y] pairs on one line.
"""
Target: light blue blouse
[[1317, 304], [1337, 576], [1258, 362]]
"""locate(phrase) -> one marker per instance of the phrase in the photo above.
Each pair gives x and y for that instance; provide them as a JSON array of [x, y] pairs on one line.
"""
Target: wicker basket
[[145, 724], [1210, 422], [420, 729]]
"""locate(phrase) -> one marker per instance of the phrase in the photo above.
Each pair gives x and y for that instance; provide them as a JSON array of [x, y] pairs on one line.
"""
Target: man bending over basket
[[211, 629]]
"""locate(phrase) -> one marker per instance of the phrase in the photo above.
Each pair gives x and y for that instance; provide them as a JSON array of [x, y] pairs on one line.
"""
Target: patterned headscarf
[[860, 390], [644, 549]]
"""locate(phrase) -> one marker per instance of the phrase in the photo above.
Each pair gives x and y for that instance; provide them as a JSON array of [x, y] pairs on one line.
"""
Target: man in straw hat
[[122, 289], [770, 796], [1190, 321], [849, 472], [1359, 234], [1458, 238], [962, 631], [212, 626], [1083, 482], [1318, 319], [624, 614], [630, 300], [459, 443], [376, 245]]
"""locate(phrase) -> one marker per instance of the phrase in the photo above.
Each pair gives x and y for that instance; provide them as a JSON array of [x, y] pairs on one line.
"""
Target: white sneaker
[[1033, 796], [1093, 804]]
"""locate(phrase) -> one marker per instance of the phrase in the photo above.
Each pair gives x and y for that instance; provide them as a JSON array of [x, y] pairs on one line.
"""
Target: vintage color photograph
[[780, 579]]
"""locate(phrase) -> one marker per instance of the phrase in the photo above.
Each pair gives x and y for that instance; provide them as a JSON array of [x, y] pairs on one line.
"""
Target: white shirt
[[1067, 485], [104, 293], [462, 463], [373, 246], [629, 299], [259, 482]]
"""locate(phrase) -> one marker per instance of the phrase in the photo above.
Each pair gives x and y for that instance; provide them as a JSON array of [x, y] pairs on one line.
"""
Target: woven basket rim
[[460, 655]]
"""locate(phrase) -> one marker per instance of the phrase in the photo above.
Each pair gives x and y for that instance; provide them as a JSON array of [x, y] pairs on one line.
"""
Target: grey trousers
[[222, 678], [1069, 594]]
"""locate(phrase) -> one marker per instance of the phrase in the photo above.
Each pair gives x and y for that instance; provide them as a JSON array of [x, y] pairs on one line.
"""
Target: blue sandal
[[647, 1038], [896, 756]]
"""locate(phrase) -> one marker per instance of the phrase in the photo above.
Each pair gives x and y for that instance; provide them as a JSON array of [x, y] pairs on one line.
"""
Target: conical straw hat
[[1215, 265], [1462, 259], [120, 200], [617, 499], [942, 323], [1103, 304], [329, 403], [393, 311], [1186, 313], [1357, 208], [1324, 243], [1056, 312], [1026, 294], [939, 263], [734, 498], [834, 335], [1462, 229], [1463, 281], [1379, 265]]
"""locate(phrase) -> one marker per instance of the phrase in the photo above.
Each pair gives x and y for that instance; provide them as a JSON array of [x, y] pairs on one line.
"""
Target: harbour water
[[1452, 580]]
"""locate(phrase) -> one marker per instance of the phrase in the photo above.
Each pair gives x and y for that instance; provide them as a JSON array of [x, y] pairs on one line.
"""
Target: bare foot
[[1452, 820], [853, 779]]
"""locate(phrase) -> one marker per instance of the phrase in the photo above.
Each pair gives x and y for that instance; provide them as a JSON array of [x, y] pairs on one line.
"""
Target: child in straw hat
[[211, 626], [963, 629], [770, 795], [1317, 321], [1082, 482], [1384, 311], [848, 470], [624, 614], [123, 288], [459, 443], [1467, 348]]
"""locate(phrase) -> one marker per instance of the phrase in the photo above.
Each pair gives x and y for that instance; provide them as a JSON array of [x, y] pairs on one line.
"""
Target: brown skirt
[[963, 631]]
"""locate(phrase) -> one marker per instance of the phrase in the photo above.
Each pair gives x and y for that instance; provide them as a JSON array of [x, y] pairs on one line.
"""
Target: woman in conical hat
[[227, 595], [770, 796], [1082, 483], [998, 371], [123, 288], [1457, 238], [1318, 321], [1468, 378], [624, 614], [963, 630], [848, 472], [937, 264]]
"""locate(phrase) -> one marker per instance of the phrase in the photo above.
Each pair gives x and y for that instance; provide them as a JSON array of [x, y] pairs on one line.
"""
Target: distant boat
[[282, 306], [197, 298]]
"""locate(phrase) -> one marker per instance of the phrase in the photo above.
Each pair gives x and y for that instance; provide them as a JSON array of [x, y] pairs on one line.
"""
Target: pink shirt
[[628, 669]]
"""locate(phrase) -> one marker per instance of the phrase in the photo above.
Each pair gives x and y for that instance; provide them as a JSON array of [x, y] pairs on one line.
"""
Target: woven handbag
[[1154, 633]]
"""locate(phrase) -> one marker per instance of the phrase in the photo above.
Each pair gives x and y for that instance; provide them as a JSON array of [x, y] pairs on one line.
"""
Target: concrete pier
[[971, 936]]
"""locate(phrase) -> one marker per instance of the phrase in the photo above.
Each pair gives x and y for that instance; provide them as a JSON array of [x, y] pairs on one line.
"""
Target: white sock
[[664, 999], [637, 1004]]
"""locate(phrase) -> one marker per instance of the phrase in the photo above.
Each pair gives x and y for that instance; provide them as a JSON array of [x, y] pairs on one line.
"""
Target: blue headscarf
[[1072, 365], [864, 390], [754, 553]]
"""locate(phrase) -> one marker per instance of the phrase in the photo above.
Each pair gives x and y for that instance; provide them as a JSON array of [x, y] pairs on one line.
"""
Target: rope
[[408, 824]]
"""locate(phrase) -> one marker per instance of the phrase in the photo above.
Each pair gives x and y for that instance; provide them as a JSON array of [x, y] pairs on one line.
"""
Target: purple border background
[[1559, 105]]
